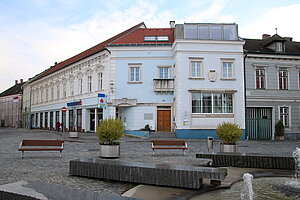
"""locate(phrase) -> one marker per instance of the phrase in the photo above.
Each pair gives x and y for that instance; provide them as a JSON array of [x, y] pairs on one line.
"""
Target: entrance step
[[162, 135]]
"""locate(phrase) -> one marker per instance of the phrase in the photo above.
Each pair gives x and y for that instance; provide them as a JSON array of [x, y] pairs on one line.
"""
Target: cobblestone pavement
[[50, 168]]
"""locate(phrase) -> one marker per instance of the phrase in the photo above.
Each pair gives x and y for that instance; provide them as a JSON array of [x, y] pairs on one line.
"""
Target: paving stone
[[48, 167]]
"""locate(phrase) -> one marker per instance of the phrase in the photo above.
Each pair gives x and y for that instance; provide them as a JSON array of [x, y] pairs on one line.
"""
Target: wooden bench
[[168, 144], [41, 145]]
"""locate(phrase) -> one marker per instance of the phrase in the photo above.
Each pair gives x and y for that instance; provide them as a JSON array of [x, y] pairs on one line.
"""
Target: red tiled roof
[[86, 53], [137, 37]]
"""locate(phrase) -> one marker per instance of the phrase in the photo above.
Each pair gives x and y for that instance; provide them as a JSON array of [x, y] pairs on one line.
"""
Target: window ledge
[[196, 78], [134, 82], [228, 79], [211, 115]]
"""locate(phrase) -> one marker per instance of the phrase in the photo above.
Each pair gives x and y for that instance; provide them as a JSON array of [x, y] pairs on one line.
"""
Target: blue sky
[[36, 33]]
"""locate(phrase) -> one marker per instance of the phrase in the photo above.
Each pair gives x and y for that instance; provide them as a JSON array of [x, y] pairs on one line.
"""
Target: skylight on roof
[[156, 38]]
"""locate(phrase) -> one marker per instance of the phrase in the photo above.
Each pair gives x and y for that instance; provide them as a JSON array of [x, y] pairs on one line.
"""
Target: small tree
[[110, 130], [279, 128], [228, 132]]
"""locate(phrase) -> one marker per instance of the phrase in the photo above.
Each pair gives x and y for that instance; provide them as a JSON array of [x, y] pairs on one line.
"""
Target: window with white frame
[[57, 92], [196, 69], [163, 72], [279, 46], [283, 79], [33, 97], [100, 81], [80, 86], [212, 103], [260, 79], [72, 88], [89, 82], [227, 69], [134, 73], [284, 116], [37, 97], [64, 90], [47, 94], [42, 95], [52, 94]]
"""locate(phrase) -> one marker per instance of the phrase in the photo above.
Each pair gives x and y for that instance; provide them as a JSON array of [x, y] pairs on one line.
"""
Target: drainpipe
[[245, 93]]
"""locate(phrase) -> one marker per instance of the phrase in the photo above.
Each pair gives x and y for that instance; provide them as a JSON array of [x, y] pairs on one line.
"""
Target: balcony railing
[[163, 85]]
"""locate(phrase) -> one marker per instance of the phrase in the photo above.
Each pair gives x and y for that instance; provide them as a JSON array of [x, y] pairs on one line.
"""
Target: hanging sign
[[101, 100], [64, 109]]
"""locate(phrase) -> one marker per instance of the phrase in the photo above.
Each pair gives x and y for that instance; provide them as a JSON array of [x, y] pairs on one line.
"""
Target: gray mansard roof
[[264, 46]]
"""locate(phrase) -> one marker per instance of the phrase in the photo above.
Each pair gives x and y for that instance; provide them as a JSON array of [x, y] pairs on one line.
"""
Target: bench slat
[[169, 147], [42, 142], [40, 149], [168, 142]]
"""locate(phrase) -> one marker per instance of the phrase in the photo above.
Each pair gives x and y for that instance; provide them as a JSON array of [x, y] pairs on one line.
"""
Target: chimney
[[265, 36], [172, 24], [16, 82], [55, 63], [21, 80]]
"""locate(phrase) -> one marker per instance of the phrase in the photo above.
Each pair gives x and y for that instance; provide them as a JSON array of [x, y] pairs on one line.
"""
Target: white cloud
[[212, 14], [34, 46], [284, 18], [31, 47]]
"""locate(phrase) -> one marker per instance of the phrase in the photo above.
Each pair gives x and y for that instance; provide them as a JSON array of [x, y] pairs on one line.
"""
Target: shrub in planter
[[279, 130], [229, 133], [146, 128], [110, 130]]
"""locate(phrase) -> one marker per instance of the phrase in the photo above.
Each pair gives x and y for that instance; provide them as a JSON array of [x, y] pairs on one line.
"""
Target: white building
[[209, 78], [185, 79], [74, 84]]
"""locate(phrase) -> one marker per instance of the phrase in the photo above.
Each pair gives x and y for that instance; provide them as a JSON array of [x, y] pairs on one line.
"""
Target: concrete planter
[[231, 148], [73, 135], [109, 151]]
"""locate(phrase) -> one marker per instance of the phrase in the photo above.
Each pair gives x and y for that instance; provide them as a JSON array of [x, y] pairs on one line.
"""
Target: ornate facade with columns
[[75, 87]]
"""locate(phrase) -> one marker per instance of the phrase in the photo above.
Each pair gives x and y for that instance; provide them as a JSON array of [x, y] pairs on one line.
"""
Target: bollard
[[210, 144]]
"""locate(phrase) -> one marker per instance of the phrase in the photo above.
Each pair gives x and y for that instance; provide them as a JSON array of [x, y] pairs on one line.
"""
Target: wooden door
[[163, 120]]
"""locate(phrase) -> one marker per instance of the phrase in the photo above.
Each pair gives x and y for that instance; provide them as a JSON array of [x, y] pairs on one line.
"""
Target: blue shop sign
[[75, 103]]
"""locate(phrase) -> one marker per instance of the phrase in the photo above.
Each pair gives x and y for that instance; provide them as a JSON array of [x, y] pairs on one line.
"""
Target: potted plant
[[229, 133], [109, 131], [279, 130]]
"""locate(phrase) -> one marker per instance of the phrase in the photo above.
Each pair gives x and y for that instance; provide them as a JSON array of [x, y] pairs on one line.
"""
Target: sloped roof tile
[[137, 37]]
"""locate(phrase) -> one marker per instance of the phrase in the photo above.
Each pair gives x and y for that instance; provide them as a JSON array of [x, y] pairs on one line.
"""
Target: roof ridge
[[134, 29]]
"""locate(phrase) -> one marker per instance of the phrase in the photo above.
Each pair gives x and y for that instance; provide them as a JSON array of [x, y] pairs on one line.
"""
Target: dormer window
[[279, 46], [156, 38]]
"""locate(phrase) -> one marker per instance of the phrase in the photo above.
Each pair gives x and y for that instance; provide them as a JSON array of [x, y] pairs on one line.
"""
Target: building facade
[[74, 92], [144, 78], [209, 83], [185, 79], [11, 106], [272, 83]]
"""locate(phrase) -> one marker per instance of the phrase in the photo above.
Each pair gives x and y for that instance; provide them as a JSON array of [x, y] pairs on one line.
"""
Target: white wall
[[211, 53]]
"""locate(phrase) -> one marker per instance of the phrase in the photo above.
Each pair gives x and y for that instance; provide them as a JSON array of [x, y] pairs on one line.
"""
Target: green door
[[259, 123]]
